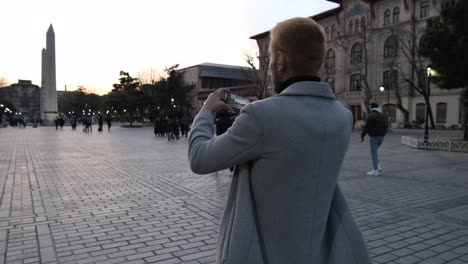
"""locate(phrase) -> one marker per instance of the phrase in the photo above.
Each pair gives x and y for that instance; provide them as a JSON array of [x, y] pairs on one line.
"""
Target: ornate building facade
[[372, 51]]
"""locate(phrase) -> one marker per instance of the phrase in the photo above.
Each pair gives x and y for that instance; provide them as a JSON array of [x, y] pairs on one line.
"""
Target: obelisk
[[48, 82]]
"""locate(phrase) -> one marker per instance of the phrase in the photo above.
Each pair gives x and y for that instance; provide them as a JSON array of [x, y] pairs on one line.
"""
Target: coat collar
[[308, 88]]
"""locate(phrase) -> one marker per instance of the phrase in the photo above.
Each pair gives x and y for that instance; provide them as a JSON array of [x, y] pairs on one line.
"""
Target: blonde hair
[[303, 40]]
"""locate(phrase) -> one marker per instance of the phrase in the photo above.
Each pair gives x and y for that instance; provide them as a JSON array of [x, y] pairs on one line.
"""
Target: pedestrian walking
[[284, 205], [100, 123], [109, 122], [376, 126]]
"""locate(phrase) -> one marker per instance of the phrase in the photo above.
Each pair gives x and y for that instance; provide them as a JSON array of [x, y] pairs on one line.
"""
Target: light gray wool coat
[[292, 146]]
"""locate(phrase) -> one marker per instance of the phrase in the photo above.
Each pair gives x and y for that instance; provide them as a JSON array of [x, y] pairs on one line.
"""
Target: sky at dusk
[[96, 39]]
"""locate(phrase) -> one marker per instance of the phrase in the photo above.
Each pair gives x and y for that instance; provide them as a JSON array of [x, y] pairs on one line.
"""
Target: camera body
[[235, 101]]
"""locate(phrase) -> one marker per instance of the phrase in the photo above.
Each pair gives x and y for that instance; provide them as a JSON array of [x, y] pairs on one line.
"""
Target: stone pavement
[[127, 197]]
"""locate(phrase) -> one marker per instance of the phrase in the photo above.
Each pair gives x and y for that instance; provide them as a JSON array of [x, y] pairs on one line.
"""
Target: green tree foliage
[[126, 97], [445, 43], [75, 102], [171, 95]]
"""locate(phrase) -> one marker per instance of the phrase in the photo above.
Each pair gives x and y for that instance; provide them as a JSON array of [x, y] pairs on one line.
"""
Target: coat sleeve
[[241, 143]]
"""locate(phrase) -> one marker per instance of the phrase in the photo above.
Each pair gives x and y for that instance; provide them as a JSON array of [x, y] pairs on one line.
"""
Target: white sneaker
[[373, 173], [379, 169]]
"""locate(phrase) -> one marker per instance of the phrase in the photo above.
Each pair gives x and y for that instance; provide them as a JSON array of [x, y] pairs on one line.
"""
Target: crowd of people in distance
[[172, 127]]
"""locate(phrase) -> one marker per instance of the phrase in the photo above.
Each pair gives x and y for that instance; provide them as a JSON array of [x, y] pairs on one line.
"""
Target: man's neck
[[298, 78]]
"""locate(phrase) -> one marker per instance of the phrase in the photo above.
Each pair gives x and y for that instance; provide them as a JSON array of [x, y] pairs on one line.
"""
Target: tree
[[126, 97], [415, 76], [172, 95], [395, 71], [149, 75], [259, 76], [446, 45], [80, 99]]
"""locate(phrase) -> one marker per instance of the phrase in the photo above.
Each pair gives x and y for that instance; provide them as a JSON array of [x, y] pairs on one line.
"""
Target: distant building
[[25, 97], [369, 38], [208, 77]]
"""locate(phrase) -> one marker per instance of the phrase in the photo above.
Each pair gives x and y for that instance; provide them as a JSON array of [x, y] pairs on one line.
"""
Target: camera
[[235, 101]]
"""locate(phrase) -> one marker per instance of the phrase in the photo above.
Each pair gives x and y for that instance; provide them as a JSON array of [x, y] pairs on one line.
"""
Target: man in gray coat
[[284, 205]]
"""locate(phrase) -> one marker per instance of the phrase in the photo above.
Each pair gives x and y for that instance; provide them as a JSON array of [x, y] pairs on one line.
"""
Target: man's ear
[[282, 61]]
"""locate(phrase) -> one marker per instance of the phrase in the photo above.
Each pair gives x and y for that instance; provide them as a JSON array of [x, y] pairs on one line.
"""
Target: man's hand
[[362, 139], [215, 101]]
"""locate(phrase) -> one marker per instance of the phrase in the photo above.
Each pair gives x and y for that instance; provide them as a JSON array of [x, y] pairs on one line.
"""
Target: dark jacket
[[376, 125]]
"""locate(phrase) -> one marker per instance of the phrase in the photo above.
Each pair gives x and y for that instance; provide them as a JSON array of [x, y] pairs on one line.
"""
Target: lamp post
[[388, 100], [428, 93]]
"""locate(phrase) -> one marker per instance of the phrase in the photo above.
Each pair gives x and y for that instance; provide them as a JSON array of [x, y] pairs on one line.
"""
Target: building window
[[424, 9], [441, 113], [387, 15], [351, 26], [391, 47], [396, 15], [390, 79], [327, 32], [420, 112], [333, 32], [363, 23], [356, 25], [330, 59], [331, 82], [356, 53], [390, 111], [355, 82]]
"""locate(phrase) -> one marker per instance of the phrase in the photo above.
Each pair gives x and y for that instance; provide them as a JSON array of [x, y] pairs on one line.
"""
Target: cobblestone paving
[[127, 197]]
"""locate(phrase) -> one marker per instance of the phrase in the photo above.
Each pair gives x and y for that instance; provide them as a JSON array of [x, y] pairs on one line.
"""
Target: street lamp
[[388, 100], [428, 94]]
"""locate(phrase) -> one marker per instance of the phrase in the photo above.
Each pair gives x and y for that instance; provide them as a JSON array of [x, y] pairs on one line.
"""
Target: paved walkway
[[128, 197]]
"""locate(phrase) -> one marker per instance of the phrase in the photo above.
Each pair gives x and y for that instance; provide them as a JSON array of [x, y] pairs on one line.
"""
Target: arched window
[[363, 23], [387, 15], [356, 25], [330, 59], [333, 31], [391, 47], [351, 26], [420, 112], [396, 15], [327, 32], [441, 113], [356, 53]]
